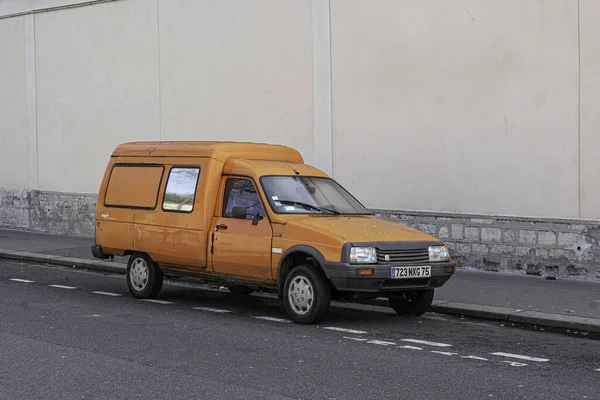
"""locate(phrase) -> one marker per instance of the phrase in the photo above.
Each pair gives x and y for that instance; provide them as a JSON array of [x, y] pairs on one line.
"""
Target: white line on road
[[358, 339], [273, 319], [157, 301], [520, 357], [333, 328], [381, 343], [425, 342], [62, 287], [475, 358], [410, 347], [21, 280], [215, 310], [515, 364], [445, 353], [108, 294], [597, 370]]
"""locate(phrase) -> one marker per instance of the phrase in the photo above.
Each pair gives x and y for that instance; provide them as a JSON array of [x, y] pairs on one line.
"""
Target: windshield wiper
[[310, 206]]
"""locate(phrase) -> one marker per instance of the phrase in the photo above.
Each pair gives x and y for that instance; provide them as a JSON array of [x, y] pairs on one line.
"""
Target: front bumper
[[344, 278]]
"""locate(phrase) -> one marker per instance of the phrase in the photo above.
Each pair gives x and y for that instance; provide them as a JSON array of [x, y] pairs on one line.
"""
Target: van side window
[[134, 186], [181, 189], [242, 193]]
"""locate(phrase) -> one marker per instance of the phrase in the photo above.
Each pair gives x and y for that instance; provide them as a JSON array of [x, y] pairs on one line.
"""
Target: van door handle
[[221, 227]]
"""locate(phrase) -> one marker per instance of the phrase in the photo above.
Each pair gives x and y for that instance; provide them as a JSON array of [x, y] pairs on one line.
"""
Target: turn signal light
[[364, 272], [448, 270]]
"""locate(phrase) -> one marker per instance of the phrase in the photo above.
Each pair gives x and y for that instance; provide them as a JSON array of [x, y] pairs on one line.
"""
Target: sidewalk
[[507, 297]]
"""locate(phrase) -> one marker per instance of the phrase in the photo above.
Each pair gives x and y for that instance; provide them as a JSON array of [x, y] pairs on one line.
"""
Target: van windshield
[[309, 195]]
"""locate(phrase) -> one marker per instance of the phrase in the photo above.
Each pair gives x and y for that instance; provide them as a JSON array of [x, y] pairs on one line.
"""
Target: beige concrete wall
[[590, 109], [14, 169], [97, 86], [237, 70], [464, 106]]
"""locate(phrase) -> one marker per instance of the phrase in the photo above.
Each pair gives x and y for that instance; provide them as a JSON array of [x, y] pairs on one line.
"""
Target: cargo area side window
[[181, 189], [134, 186], [241, 194]]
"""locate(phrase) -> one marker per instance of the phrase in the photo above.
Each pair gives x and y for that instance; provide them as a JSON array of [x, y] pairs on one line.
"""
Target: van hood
[[361, 228]]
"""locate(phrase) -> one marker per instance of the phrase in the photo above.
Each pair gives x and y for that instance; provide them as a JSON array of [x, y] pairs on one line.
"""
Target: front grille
[[412, 256]]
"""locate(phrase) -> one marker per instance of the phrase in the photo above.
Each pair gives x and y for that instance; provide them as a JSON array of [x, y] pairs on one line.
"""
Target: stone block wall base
[[545, 247], [559, 248]]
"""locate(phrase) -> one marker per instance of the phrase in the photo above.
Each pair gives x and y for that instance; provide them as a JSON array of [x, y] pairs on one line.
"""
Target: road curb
[[517, 316]]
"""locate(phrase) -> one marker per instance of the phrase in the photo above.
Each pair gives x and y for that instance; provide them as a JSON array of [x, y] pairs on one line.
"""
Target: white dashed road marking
[[62, 287], [425, 342], [445, 353], [515, 364], [157, 301], [520, 357], [356, 338], [597, 370], [108, 294], [272, 319], [21, 280], [215, 310], [410, 347], [333, 328], [475, 358], [381, 343]]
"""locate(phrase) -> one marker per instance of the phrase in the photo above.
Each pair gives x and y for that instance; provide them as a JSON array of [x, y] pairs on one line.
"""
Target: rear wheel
[[240, 289], [144, 277], [412, 303], [306, 295]]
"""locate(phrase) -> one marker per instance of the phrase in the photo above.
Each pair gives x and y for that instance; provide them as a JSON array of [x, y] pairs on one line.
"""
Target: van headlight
[[363, 255], [438, 253]]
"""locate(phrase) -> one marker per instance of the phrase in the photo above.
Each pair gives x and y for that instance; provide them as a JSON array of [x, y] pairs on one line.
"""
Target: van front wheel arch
[[144, 277], [306, 294]]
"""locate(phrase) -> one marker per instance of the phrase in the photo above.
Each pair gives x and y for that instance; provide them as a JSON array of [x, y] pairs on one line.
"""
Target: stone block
[[510, 236], [491, 234], [443, 232], [479, 248], [515, 265], [472, 233], [491, 264], [463, 248], [458, 231], [575, 271], [527, 236], [521, 251], [502, 249], [546, 238], [427, 228], [567, 239], [482, 221]]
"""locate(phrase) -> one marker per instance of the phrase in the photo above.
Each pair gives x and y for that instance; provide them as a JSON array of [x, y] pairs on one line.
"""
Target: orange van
[[253, 217]]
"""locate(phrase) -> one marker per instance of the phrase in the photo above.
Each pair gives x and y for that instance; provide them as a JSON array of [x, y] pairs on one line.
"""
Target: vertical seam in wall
[[322, 124], [579, 104], [159, 71], [37, 141], [330, 89]]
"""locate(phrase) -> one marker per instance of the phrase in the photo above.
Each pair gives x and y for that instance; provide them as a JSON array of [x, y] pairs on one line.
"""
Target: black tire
[[414, 303], [240, 289], [302, 280], [139, 287]]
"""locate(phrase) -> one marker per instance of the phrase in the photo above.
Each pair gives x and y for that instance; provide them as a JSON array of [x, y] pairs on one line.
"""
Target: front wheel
[[306, 295], [414, 303], [144, 277]]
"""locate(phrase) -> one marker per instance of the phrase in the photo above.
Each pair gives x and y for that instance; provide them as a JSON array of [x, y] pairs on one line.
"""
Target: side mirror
[[238, 212], [255, 218]]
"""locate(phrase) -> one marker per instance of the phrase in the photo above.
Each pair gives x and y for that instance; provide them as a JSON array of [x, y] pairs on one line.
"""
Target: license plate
[[411, 272]]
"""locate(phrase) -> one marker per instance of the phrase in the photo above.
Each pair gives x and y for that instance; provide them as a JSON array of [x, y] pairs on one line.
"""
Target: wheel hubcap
[[139, 274], [301, 295]]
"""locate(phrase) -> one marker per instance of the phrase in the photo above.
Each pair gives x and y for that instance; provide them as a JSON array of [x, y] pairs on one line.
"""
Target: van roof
[[221, 151]]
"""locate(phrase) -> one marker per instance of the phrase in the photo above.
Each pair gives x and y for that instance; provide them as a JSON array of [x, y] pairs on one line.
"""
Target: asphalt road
[[88, 338]]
